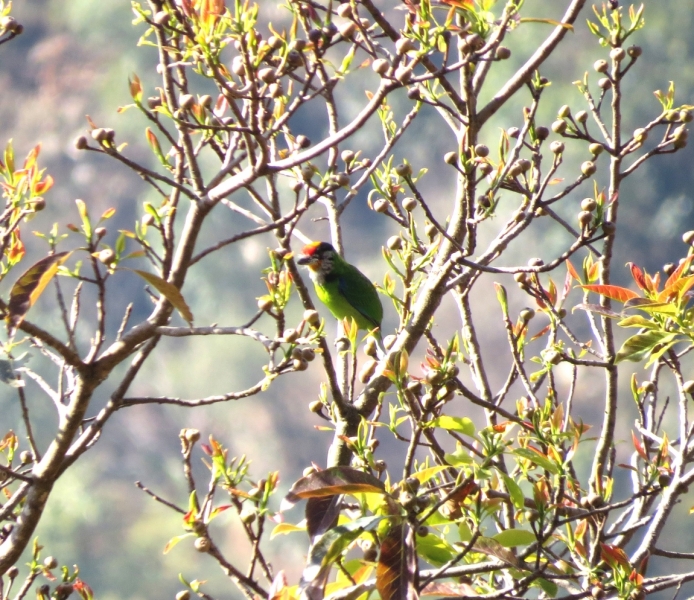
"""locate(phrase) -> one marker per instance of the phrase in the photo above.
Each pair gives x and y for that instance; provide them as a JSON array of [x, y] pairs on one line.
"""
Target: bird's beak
[[304, 260]]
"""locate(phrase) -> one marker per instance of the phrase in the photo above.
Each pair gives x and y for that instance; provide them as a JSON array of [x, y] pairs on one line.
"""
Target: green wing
[[361, 294]]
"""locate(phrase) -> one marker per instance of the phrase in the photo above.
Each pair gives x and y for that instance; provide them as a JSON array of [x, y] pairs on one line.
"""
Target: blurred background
[[74, 59]]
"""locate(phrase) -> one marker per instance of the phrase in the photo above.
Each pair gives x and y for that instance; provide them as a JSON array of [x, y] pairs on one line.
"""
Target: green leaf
[[539, 459], [637, 321], [174, 540], [514, 491], [84, 215], [461, 456], [510, 538], [460, 424], [434, 550], [501, 297], [639, 346], [548, 587], [170, 292]]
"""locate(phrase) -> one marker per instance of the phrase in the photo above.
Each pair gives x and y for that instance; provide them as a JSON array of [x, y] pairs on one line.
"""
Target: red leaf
[[637, 274], [614, 556], [639, 447], [396, 568], [613, 292]]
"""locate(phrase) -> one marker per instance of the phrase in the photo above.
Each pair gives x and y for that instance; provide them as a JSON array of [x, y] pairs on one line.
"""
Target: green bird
[[343, 288]]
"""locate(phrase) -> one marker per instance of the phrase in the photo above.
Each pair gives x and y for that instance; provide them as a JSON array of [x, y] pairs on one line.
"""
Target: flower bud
[[503, 53], [585, 218], [186, 101], [409, 204], [601, 66], [588, 168], [81, 143], [557, 147], [345, 10], [588, 204], [617, 54], [404, 45], [481, 150], [380, 205], [202, 544], [394, 242], [367, 370], [380, 66], [106, 256], [559, 126], [403, 170]]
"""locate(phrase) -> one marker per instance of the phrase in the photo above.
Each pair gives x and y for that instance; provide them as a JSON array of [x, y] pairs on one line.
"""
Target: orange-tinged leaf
[[29, 287], [17, 250], [170, 292], [614, 292], [136, 88], [332, 481], [572, 271], [652, 283], [677, 273], [614, 556], [41, 187], [108, 213], [679, 288]]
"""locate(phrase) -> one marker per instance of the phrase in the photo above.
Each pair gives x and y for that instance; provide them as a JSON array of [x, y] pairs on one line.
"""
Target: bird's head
[[317, 256]]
